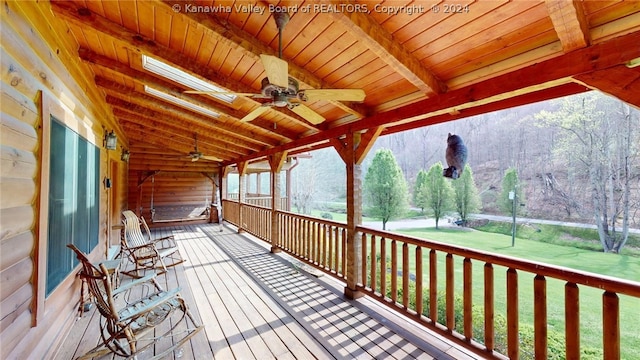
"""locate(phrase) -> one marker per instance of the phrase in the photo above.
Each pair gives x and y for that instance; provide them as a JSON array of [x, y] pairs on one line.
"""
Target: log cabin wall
[[168, 181], [41, 76]]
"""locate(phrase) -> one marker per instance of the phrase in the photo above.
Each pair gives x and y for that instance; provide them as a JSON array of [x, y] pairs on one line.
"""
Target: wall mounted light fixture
[[125, 155], [110, 140]]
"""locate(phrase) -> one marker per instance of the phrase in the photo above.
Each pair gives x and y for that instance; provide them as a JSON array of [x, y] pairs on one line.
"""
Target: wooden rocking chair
[[128, 324], [145, 252]]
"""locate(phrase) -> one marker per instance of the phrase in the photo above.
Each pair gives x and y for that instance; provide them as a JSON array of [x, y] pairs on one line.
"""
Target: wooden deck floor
[[257, 305]]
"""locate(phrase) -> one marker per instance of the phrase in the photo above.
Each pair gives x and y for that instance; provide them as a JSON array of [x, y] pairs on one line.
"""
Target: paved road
[[421, 223]]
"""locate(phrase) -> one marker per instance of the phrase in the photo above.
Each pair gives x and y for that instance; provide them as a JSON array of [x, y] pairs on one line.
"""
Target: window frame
[[52, 107]]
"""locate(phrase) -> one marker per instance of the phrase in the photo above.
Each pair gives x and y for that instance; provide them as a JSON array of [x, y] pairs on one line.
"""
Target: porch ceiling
[[442, 62]]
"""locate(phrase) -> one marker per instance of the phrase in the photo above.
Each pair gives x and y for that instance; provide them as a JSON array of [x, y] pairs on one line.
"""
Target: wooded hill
[[556, 186]]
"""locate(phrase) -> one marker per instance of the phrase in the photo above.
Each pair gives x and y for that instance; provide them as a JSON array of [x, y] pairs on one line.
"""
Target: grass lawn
[[621, 266]]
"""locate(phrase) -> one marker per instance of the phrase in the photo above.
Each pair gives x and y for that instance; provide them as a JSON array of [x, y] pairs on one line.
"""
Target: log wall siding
[[322, 244], [38, 71]]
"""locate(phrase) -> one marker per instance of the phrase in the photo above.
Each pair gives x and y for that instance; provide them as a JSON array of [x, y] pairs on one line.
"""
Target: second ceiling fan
[[283, 90]]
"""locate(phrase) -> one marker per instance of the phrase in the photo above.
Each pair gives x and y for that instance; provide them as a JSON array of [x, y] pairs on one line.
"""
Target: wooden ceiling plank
[[248, 45], [570, 23], [132, 40], [233, 143], [147, 101], [501, 88], [381, 43], [185, 136], [208, 139], [143, 78]]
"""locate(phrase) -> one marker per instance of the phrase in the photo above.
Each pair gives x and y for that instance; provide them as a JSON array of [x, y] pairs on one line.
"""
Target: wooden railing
[[319, 242], [259, 200], [436, 265]]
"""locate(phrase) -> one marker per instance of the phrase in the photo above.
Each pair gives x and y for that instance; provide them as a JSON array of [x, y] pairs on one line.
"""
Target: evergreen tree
[[436, 193], [385, 189], [510, 182], [466, 196], [421, 180]]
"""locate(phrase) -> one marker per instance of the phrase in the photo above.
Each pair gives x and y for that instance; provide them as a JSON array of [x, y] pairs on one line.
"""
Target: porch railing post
[[242, 178], [354, 217], [275, 163]]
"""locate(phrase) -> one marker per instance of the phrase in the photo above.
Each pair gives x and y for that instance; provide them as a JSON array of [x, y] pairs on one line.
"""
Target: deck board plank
[[256, 305]]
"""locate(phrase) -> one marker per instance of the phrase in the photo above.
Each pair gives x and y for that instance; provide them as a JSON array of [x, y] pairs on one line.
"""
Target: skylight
[[167, 71], [180, 102]]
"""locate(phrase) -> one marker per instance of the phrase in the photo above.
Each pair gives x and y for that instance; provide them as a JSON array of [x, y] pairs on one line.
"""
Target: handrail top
[[604, 282]]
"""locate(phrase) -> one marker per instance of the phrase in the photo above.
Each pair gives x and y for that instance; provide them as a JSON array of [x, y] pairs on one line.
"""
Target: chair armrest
[[171, 241], [133, 283], [147, 304]]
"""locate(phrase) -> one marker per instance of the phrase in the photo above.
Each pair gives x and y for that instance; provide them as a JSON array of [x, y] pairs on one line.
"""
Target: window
[[73, 200]]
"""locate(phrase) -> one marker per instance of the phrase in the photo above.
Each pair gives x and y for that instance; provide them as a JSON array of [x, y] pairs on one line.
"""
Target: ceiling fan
[[283, 91], [196, 155]]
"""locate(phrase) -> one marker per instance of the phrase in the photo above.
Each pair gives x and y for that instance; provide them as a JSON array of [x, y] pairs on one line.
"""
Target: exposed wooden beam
[[143, 78], [118, 104], [381, 43], [570, 23], [130, 95], [531, 79], [620, 81], [222, 149], [276, 161], [251, 47], [366, 143], [136, 43]]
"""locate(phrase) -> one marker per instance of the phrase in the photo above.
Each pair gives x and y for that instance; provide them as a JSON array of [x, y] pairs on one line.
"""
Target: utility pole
[[513, 195]]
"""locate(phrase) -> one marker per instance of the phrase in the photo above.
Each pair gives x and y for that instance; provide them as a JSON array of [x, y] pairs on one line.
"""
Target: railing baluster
[[433, 286], [363, 259], [450, 295], [394, 271], [419, 307], [467, 296], [405, 275], [372, 256], [611, 325], [489, 332], [383, 267], [323, 241], [343, 254], [572, 320], [513, 343], [540, 316]]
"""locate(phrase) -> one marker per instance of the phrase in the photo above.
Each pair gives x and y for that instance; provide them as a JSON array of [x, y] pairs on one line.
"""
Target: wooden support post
[[242, 169], [275, 163], [347, 151]]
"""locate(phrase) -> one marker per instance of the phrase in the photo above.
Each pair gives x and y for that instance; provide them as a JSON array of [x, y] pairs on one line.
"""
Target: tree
[[421, 179], [385, 189], [510, 182], [466, 196], [436, 193], [597, 139]]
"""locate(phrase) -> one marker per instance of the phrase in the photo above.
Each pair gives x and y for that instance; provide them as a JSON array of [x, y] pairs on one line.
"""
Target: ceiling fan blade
[[195, 158], [277, 70], [255, 113], [212, 158], [332, 94], [308, 114]]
